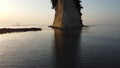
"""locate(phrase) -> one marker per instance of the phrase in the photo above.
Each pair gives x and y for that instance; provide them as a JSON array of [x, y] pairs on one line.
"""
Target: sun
[[3, 7]]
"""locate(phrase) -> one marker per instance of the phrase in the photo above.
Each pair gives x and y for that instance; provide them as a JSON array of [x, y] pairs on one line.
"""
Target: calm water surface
[[92, 47]]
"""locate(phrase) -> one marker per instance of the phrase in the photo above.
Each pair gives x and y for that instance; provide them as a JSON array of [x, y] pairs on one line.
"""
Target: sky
[[39, 12]]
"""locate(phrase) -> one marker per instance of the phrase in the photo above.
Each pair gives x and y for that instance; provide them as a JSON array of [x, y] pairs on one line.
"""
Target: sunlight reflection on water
[[92, 47]]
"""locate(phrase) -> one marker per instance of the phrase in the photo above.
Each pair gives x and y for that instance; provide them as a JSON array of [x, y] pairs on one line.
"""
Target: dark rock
[[10, 30]]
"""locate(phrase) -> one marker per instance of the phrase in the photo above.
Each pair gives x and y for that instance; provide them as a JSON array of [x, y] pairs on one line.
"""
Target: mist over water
[[91, 47]]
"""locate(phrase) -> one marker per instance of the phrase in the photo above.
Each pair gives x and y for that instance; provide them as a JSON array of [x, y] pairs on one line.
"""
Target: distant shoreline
[[11, 30]]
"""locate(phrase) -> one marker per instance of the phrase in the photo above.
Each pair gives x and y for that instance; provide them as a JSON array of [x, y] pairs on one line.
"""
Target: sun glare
[[4, 8]]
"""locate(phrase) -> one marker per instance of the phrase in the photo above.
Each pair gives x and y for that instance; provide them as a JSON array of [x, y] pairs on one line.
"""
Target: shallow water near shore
[[90, 47]]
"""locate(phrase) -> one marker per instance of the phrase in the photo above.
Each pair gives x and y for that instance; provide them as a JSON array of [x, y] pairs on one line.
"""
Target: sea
[[89, 47]]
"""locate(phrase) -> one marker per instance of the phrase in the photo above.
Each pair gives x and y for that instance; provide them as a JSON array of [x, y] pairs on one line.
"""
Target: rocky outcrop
[[67, 14], [11, 30]]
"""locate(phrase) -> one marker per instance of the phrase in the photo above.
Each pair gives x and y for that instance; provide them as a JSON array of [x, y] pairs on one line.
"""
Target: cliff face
[[67, 14], [58, 20]]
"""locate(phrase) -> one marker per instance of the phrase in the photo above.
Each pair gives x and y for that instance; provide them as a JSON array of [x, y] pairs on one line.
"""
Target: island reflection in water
[[96, 47], [67, 48]]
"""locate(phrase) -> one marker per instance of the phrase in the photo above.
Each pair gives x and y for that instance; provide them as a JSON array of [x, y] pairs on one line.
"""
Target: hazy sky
[[95, 12]]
